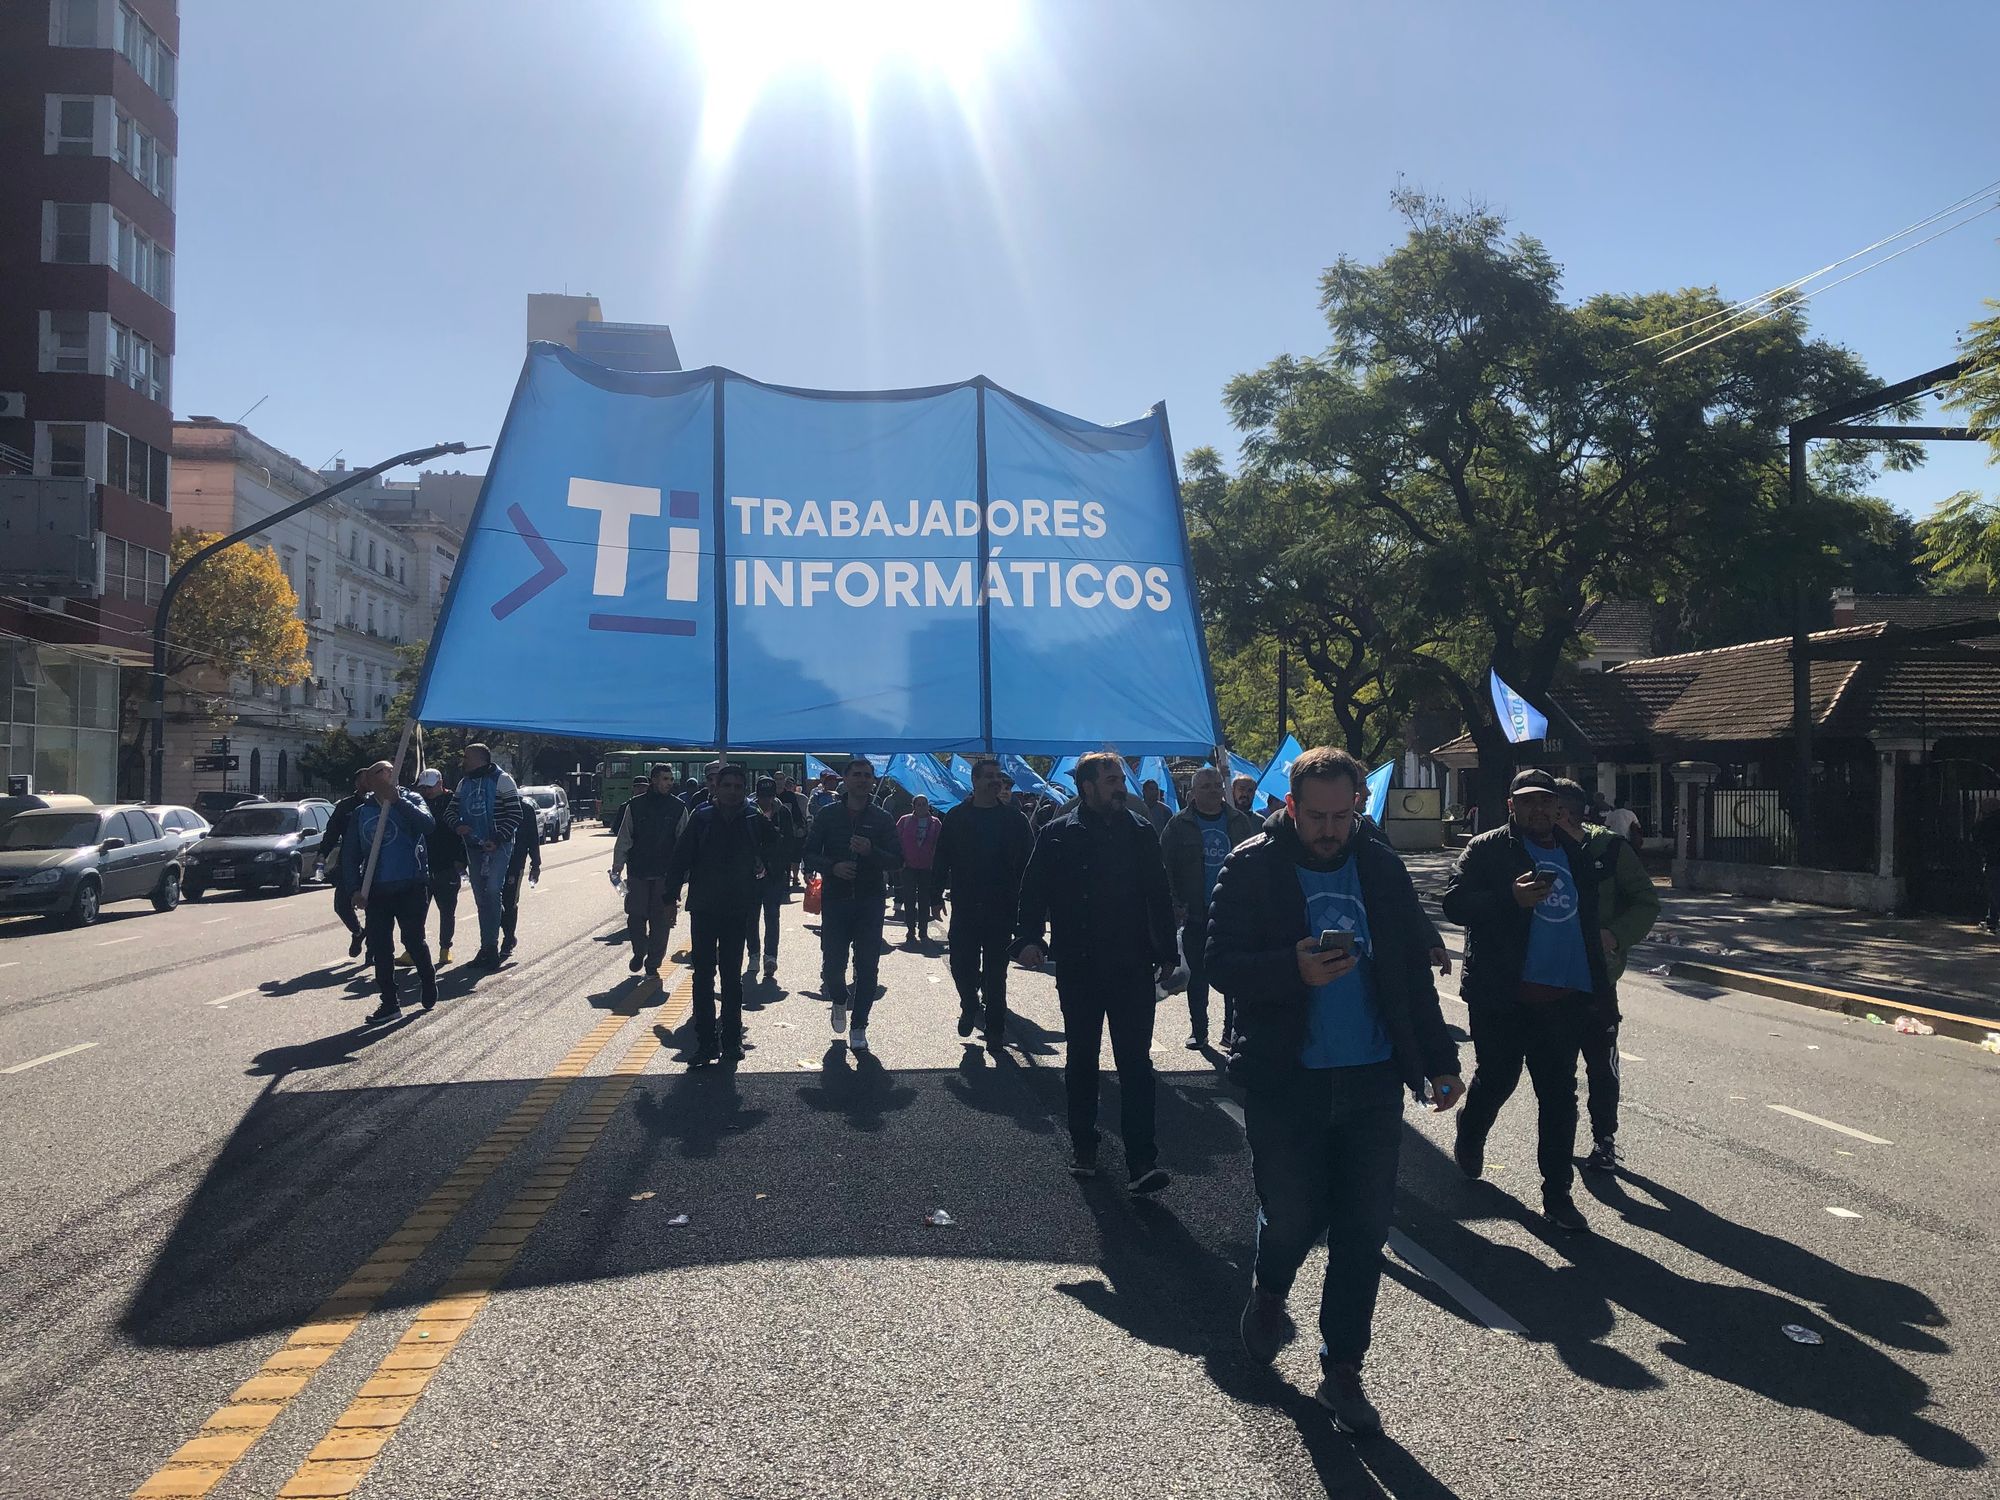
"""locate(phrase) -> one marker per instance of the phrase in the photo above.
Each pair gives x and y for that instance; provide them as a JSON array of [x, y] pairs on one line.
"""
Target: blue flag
[[816, 768], [1026, 777], [922, 776], [1059, 775], [1378, 791], [1277, 778], [1238, 766], [1521, 720], [961, 774], [1154, 768], [697, 558]]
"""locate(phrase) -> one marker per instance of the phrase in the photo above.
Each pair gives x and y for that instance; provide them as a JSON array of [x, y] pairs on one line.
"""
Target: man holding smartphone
[[1318, 934], [1535, 979]]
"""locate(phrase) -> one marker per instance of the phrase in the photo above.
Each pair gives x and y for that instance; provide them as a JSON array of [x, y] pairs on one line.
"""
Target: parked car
[[551, 804], [29, 801], [182, 824], [66, 862], [257, 844], [213, 805]]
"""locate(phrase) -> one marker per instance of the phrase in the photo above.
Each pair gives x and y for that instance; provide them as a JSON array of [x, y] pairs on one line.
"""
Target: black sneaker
[[1561, 1212], [354, 946], [486, 958], [967, 1019], [1083, 1164], [1150, 1181], [637, 963], [430, 997], [1265, 1327], [1603, 1157], [1197, 1043], [653, 972], [387, 1011], [1469, 1151], [1353, 1413], [507, 946]]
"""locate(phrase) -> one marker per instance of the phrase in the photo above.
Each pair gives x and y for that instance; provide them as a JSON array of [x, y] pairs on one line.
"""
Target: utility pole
[[1284, 695], [156, 708]]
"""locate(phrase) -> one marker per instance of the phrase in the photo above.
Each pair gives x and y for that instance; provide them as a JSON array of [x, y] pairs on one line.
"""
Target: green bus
[[616, 771]]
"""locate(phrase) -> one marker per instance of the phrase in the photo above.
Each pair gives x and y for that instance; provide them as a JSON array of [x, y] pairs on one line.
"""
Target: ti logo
[[617, 505]]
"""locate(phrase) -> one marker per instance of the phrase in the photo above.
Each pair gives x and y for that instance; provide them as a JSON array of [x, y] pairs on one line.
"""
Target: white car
[[551, 805]]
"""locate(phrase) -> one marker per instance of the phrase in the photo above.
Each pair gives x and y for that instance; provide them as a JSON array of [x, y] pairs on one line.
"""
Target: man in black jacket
[[329, 845], [1535, 979], [771, 890], [851, 847], [447, 859], [1097, 879], [723, 855], [649, 826], [1328, 1035], [982, 850], [526, 859]]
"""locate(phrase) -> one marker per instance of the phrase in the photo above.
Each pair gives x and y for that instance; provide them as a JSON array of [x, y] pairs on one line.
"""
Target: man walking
[[446, 852], [1535, 979], [1095, 876], [526, 858], [648, 830], [344, 882], [1154, 805], [1627, 908], [400, 890], [772, 888], [1196, 841], [917, 839], [852, 848], [724, 853], [1986, 841], [794, 803], [1319, 935], [485, 808], [982, 850]]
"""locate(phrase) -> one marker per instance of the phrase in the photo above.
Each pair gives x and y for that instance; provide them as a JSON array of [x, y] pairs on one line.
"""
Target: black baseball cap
[[1532, 780]]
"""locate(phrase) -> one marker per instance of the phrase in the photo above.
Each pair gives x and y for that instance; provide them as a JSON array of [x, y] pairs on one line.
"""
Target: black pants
[[716, 938], [1600, 1068], [1323, 1149], [444, 895], [1194, 945], [1120, 994], [510, 906], [770, 901], [399, 908], [1547, 1037], [978, 942], [851, 927], [343, 907]]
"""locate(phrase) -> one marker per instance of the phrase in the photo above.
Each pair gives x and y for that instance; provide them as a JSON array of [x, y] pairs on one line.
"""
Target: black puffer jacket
[[1061, 893], [1479, 896], [1256, 920]]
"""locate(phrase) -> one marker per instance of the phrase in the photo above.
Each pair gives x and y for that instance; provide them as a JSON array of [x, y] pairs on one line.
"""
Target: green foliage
[[1961, 545], [1976, 392]]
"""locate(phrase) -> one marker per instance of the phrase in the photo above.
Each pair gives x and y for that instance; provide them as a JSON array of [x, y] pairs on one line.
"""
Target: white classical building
[[365, 589]]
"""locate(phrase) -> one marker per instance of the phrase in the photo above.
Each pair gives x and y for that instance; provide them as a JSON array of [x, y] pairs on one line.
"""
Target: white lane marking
[[213, 920], [36, 1062], [10, 963], [114, 942], [1453, 1285], [1843, 1213], [227, 998], [1859, 1135], [1631, 1057]]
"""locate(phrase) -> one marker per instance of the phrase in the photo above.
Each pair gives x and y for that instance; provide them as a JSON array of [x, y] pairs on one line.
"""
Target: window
[[114, 567], [75, 127], [67, 349], [156, 562], [66, 444], [371, 554], [74, 23], [142, 261], [135, 361], [69, 234], [118, 457], [136, 467], [143, 48], [145, 158]]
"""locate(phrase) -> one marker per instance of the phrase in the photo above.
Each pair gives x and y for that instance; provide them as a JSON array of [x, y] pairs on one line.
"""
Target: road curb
[[1824, 997]]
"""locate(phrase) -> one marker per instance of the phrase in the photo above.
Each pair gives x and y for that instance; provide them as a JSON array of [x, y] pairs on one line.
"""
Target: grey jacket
[[1180, 846]]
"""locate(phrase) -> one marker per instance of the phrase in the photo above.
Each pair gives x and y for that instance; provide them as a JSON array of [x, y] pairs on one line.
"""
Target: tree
[[1976, 392], [1961, 545], [1473, 460], [235, 617]]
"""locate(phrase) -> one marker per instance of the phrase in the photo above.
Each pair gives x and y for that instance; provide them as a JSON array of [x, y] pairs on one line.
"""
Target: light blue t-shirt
[[1556, 955], [1214, 848], [1342, 1027]]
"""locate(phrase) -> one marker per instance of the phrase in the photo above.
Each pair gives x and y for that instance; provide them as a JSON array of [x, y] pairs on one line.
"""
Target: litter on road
[[1911, 1026], [678, 1221], [937, 1218], [641, 1197], [1798, 1333]]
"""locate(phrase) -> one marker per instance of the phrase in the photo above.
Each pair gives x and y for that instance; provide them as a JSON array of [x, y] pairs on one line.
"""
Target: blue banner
[[815, 768], [1378, 791], [921, 776], [1519, 718], [1026, 777], [1276, 780], [697, 559], [1154, 768], [960, 771], [1059, 775], [1238, 766]]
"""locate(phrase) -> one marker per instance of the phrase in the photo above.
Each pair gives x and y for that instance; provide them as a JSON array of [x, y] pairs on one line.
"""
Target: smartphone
[[1333, 940]]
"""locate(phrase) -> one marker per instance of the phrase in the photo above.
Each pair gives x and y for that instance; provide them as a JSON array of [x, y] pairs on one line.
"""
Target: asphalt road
[[444, 1257]]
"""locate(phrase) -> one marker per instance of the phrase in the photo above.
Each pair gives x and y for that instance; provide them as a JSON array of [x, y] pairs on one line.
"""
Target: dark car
[[257, 844], [215, 804], [67, 863]]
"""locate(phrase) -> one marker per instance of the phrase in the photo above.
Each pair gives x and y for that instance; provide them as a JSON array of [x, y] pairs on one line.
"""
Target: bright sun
[[750, 46]]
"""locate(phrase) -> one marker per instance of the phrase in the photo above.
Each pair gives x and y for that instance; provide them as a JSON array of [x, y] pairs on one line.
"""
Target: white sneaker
[[857, 1040], [839, 1017]]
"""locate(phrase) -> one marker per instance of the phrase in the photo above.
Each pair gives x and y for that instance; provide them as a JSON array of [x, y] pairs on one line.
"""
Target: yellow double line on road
[[201, 1463]]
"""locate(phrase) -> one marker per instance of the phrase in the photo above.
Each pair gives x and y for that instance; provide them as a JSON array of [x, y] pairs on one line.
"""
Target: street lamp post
[[157, 700]]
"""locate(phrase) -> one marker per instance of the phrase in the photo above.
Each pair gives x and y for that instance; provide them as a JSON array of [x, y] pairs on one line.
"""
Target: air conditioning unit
[[14, 405], [316, 613]]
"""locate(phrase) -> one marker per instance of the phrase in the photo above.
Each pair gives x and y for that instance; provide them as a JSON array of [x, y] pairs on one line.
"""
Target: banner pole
[[985, 599], [721, 582], [375, 848]]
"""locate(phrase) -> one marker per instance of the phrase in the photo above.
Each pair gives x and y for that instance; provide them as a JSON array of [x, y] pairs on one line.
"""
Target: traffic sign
[[216, 762], [219, 747]]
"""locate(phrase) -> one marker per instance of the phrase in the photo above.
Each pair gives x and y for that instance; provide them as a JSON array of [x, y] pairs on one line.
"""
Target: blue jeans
[[851, 927], [1323, 1148], [487, 874]]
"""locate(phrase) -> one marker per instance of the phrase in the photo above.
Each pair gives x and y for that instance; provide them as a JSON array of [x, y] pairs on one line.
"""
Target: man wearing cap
[[1535, 979], [447, 858]]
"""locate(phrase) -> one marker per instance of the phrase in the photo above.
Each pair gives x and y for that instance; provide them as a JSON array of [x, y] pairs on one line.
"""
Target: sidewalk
[[1923, 960]]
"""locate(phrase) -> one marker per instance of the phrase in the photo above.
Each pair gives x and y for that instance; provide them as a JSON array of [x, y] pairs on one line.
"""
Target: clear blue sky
[[1132, 201]]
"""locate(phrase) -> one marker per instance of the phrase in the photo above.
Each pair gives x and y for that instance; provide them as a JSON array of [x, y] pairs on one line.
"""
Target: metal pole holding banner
[[721, 583], [985, 599]]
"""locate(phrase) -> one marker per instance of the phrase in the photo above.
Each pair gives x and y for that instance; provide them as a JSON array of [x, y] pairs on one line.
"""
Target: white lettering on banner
[[616, 505], [683, 564]]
